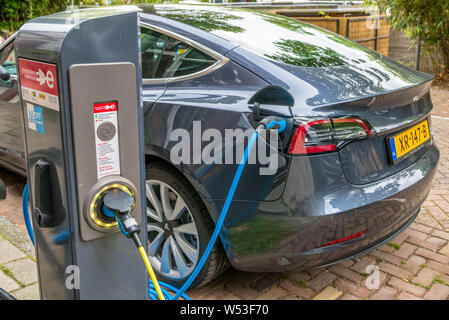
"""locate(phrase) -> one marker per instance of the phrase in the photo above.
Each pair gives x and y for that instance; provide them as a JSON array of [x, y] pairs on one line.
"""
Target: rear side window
[[167, 57]]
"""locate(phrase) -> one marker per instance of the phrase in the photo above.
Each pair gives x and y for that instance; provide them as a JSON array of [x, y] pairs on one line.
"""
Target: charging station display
[[106, 139]]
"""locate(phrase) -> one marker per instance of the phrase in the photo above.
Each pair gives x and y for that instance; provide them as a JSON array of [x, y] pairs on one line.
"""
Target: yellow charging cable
[[118, 204], [151, 273]]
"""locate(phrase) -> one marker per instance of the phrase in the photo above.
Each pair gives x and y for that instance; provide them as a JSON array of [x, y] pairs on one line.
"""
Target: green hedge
[[427, 20], [13, 13]]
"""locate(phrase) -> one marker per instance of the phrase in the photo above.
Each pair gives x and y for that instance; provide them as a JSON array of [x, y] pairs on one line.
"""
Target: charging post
[[80, 83]]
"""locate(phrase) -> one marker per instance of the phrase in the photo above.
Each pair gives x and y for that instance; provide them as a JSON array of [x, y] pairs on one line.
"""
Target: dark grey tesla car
[[356, 160]]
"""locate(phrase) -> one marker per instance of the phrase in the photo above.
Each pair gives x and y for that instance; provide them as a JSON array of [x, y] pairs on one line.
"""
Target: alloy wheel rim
[[173, 243]]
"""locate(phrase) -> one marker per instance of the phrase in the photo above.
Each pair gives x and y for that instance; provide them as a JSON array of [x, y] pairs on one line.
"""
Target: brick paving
[[414, 266]]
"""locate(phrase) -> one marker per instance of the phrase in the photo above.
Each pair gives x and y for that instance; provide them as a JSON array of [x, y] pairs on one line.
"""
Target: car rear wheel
[[179, 228]]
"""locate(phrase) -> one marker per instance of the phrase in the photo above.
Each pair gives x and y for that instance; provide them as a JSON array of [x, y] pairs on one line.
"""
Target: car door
[[12, 153]]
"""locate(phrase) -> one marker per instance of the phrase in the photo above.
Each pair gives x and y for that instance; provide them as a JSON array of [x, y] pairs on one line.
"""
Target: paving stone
[[414, 264], [27, 293], [395, 271], [425, 277], [290, 286], [423, 243], [314, 272], [445, 250], [441, 234], [416, 234], [361, 265], [353, 288], [217, 294], [445, 278], [407, 296], [387, 257], [386, 248], [322, 280], [437, 241], [330, 293], [346, 273], [7, 283], [432, 255], [400, 238], [274, 293], [246, 278], [291, 297], [297, 276], [348, 296], [8, 252], [405, 251], [407, 286], [420, 227], [442, 268], [346, 264], [384, 293], [201, 292], [231, 297], [428, 220], [437, 292], [24, 270], [238, 289]]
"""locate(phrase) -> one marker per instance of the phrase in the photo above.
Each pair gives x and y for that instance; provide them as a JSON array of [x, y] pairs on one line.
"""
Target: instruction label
[[106, 139], [39, 83]]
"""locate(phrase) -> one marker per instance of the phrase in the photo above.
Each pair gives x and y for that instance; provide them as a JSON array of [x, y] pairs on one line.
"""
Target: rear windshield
[[274, 37]]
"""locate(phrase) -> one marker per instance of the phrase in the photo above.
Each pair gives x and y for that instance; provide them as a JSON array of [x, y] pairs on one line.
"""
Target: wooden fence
[[371, 31]]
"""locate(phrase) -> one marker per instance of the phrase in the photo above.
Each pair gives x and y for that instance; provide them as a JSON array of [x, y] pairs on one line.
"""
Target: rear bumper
[[318, 206]]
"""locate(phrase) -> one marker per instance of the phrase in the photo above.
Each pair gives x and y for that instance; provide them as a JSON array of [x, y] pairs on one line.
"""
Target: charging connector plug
[[119, 204]]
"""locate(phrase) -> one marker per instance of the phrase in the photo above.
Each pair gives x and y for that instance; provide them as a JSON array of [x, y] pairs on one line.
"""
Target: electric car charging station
[[81, 107]]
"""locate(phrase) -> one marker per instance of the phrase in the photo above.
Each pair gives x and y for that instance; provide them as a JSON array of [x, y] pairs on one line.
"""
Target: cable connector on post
[[119, 204]]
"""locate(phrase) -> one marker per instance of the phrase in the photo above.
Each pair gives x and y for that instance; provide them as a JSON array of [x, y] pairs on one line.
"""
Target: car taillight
[[319, 136], [349, 129]]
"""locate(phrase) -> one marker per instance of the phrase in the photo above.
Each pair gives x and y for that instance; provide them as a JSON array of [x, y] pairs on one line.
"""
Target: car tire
[[160, 175]]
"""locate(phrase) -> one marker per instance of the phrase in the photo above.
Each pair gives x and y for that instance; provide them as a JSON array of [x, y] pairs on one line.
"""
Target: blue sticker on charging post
[[35, 118]]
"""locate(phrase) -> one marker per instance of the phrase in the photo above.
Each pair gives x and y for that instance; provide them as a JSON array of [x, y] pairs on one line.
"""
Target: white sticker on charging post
[[106, 139]]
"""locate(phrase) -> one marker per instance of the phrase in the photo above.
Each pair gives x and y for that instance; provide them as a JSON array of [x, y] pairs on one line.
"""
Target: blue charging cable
[[276, 123], [26, 214]]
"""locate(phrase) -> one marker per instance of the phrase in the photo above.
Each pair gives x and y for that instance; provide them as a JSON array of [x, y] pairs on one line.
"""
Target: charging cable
[[119, 204]]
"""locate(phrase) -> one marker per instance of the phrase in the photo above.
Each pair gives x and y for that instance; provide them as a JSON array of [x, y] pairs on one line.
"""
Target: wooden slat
[[354, 28]]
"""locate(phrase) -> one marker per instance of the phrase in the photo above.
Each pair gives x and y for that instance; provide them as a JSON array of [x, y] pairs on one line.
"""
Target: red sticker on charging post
[[39, 84], [106, 139]]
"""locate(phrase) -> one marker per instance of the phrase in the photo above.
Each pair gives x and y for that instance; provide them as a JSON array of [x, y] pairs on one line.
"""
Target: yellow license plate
[[409, 140]]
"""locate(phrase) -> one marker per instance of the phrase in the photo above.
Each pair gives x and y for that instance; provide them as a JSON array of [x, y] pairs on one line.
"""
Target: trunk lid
[[399, 101]]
